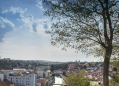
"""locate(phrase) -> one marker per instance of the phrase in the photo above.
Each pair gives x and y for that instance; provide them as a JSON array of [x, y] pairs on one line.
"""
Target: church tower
[[79, 62]]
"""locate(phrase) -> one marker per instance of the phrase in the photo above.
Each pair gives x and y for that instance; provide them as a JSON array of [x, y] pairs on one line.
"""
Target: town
[[35, 73]]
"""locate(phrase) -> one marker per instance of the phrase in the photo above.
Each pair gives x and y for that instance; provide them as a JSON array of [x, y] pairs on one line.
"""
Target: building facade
[[23, 80]]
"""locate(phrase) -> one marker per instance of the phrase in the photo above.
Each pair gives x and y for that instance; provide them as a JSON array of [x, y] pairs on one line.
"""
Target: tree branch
[[101, 4]]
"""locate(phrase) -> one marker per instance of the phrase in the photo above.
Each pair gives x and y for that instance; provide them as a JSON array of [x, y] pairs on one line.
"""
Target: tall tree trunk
[[106, 66], [106, 71]]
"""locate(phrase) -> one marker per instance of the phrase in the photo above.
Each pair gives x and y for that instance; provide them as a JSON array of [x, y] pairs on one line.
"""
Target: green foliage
[[83, 67], [19, 63], [115, 63], [60, 66], [77, 79], [114, 69], [52, 68], [64, 73], [78, 27], [115, 79], [114, 82], [53, 75]]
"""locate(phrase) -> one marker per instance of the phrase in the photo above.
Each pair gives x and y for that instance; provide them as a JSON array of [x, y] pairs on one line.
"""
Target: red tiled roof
[[100, 79], [43, 81], [113, 74], [2, 83], [8, 83], [71, 64]]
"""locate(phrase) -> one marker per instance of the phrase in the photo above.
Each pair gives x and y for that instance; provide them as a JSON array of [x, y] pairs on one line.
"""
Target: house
[[41, 82], [43, 73], [6, 83], [43, 67], [18, 70], [6, 73], [2, 83], [74, 65], [40, 73], [47, 73], [1, 76], [58, 71], [71, 66], [24, 79]]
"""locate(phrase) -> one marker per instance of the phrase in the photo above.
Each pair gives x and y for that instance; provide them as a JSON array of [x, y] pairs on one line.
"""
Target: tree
[[83, 67], [64, 73], [52, 68], [114, 69], [79, 27], [77, 79]]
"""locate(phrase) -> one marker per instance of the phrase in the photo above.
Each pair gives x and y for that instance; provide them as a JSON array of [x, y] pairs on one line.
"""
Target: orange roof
[[113, 74], [43, 81], [2, 83], [8, 83], [71, 64]]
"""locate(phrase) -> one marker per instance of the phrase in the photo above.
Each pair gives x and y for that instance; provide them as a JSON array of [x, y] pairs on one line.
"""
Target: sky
[[23, 37]]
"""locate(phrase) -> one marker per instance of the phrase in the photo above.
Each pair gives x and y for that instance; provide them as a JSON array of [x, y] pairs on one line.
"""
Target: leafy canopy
[[77, 79], [85, 25]]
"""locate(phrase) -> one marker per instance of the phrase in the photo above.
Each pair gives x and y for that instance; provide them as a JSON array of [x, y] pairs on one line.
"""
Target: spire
[[79, 62]]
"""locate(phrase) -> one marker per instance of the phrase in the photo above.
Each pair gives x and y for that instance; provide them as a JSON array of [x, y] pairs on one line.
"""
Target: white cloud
[[3, 25], [16, 10], [4, 20], [39, 5], [6, 26], [36, 25]]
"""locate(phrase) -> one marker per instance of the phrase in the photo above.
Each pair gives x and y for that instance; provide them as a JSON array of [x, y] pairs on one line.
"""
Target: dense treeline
[[8, 64], [60, 66]]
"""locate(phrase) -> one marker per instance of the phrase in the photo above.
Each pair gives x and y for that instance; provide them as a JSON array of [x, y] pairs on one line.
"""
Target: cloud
[[15, 10], [9, 19], [35, 25], [14, 14], [45, 25], [5, 26], [42, 5]]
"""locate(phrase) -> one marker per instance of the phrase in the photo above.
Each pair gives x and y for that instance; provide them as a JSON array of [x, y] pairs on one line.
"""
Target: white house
[[43, 67], [40, 72], [58, 71], [47, 73], [19, 70], [1, 76], [25, 79], [38, 84], [6, 73]]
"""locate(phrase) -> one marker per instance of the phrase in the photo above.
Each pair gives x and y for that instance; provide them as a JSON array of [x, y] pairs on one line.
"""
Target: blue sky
[[22, 33]]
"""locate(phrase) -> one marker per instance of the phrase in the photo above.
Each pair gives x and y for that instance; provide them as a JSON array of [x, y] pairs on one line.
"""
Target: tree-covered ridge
[[4, 64]]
